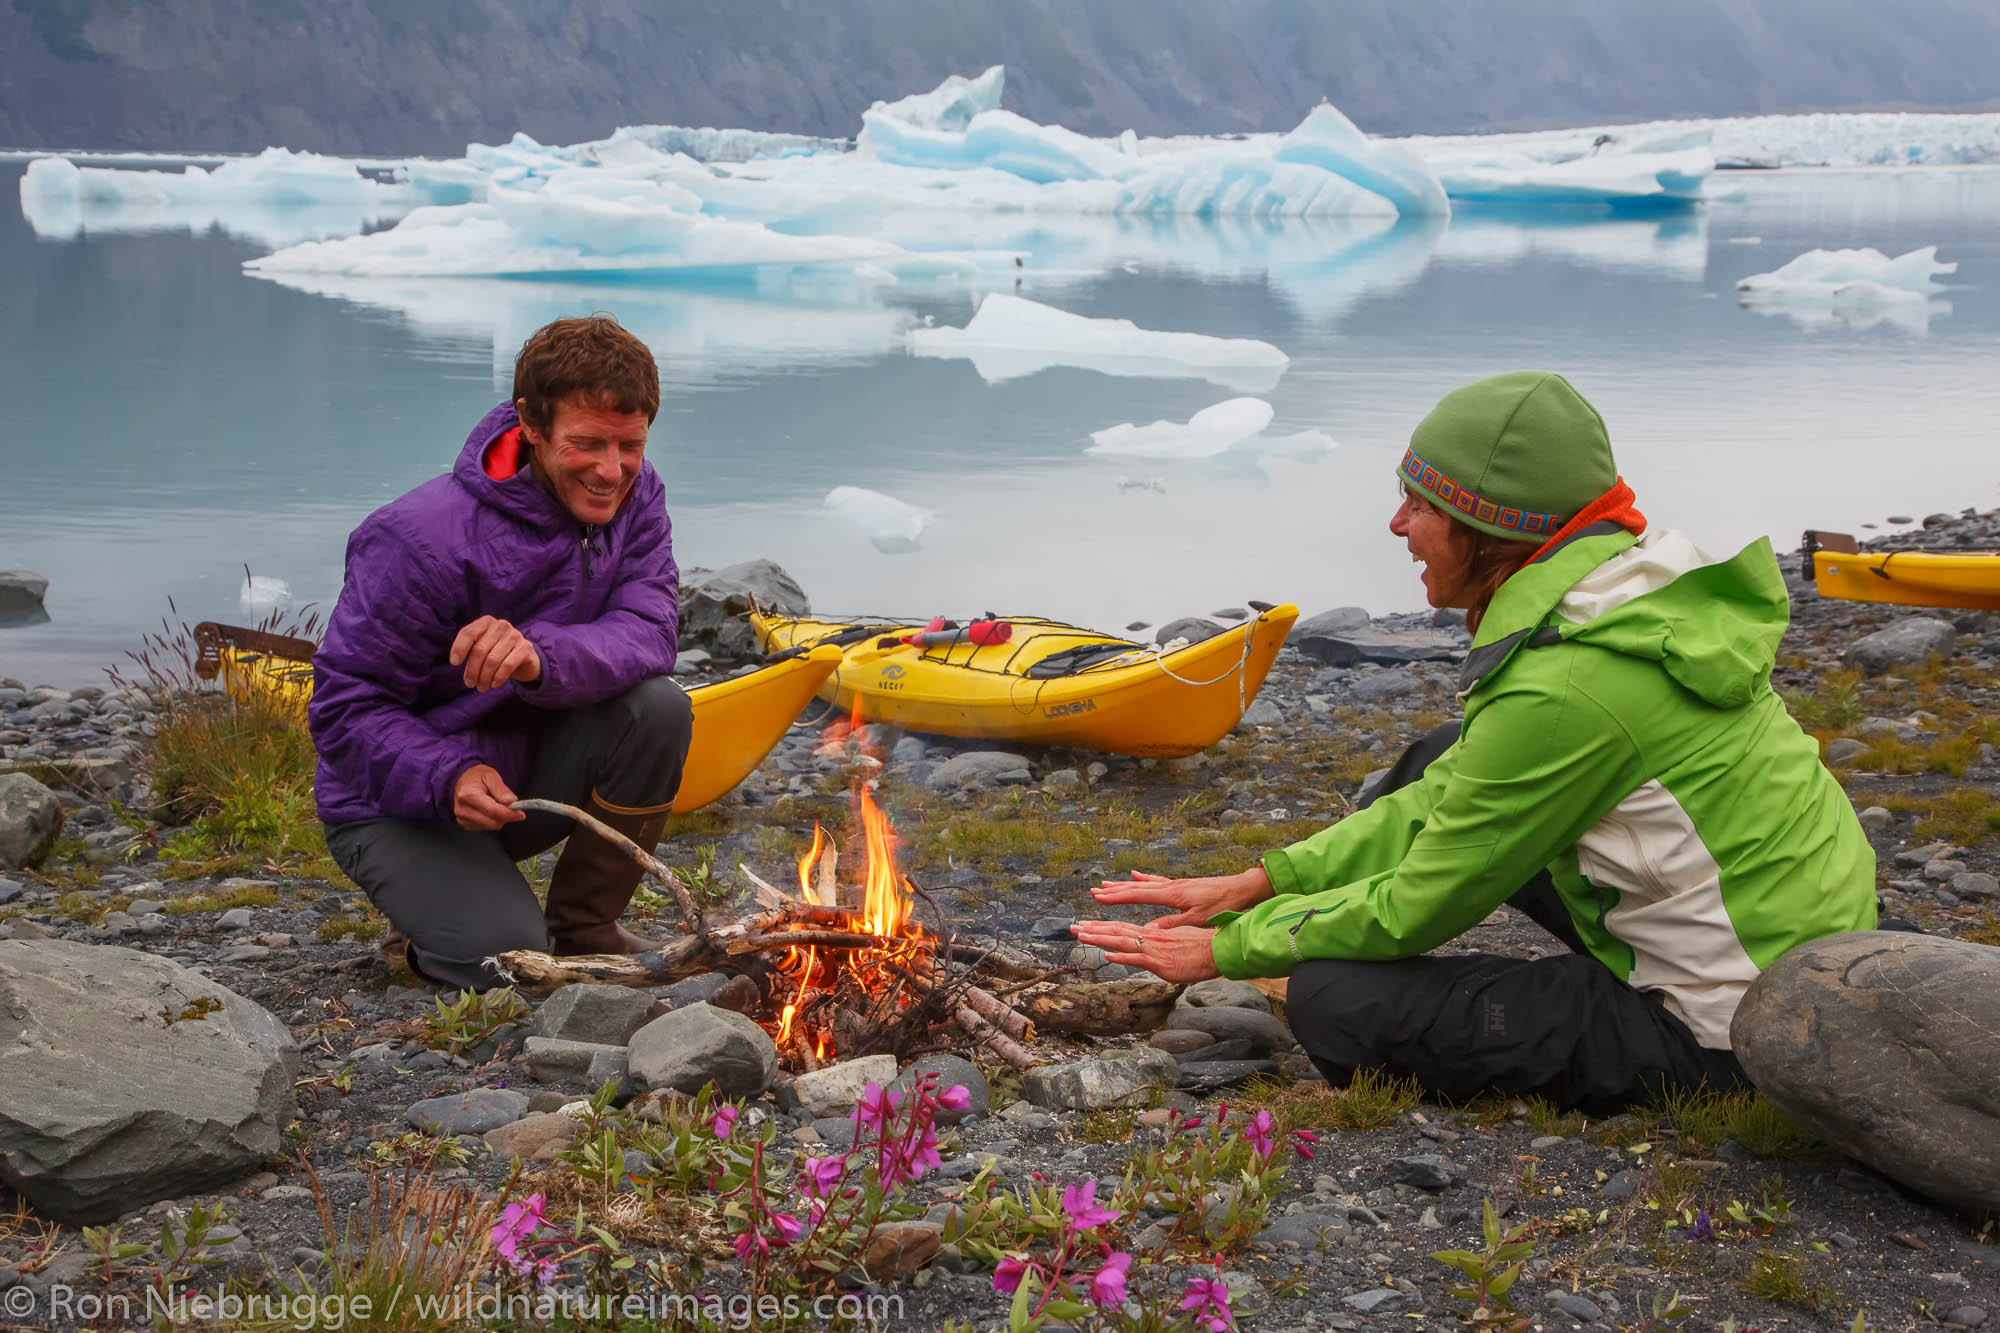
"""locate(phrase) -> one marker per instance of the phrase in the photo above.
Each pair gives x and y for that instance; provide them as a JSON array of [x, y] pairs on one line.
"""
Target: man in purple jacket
[[509, 630]]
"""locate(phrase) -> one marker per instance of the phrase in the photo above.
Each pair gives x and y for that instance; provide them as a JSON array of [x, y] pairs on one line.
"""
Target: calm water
[[168, 419]]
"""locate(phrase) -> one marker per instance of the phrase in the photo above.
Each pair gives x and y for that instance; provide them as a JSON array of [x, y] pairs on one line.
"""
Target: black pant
[[1565, 1028], [456, 892]]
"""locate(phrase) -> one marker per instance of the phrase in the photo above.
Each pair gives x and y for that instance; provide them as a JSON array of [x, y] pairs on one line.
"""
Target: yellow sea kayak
[[1965, 579], [736, 722], [1048, 683]]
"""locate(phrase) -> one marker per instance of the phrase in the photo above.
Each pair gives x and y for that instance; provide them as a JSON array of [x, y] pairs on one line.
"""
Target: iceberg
[[949, 106], [1647, 179], [893, 526], [586, 220], [1011, 336], [1330, 141], [1859, 278], [1209, 432], [1001, 140]]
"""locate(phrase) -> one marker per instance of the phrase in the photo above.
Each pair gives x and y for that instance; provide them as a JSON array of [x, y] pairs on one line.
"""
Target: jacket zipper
[[588, 533]]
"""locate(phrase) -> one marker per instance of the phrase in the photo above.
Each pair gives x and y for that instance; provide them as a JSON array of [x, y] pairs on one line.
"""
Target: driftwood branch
[[647, 862], [993, 1039], [1000, 961], [823, 939], [999, 1013], [1099, 1009]]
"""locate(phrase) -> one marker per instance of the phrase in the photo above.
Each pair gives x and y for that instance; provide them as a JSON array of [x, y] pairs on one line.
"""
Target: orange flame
[[809, 862], [785, 1023]]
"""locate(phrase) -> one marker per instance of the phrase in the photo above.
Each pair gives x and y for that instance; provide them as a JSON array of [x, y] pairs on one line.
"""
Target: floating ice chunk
[[1674, 179], [261, 592], [1209, 432], [1301, 444], [61, 199], [1860, 278], [1011, 336], [996, 139], [1330, 141], [276, 177], [893, 526], [1743, 240], [949, 106], [595, 221], [1245, 181], [712, 145]]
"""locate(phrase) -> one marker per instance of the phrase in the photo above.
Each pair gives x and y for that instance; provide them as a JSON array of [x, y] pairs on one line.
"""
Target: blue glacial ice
[[949, 106], [1213, 430], [1010, 336]]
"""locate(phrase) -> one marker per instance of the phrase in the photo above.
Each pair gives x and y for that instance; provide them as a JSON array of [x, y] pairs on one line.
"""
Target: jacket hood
[[521, 495], [1713, 625]]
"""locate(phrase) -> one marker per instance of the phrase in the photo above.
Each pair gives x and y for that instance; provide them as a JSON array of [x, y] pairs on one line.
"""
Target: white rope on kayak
[[1241, 668]]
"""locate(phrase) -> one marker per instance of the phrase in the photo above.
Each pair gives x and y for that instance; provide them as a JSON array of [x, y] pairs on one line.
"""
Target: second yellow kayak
[[1048, 684], [1966, 579]]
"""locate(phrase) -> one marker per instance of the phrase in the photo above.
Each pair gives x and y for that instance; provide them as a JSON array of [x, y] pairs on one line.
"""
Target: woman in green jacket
[[1624, 774]]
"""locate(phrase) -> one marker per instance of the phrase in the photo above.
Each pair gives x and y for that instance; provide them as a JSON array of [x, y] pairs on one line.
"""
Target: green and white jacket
[[1620, 729]]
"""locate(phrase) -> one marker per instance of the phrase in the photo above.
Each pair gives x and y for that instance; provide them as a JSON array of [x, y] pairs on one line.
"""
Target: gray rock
[[1340, 620], [1370, 1301], [1312, 1229], [1179, 1041], [606, 1015], [1877, 819], [691, 1047], [1427, 1172], [1944, 870], [979, 768], [1236, 1048], [1966, 1316], [1387, 647], [1062, 782], [1975, 884], [1580, 1308], [1051, 927], [1266, 1032], [1380, 686], [21, 591], [907, 751], [1261, 713], [1117, 1079], [835, 1131], [1192, 628], [244, 953], [1214, 1075], [555, 1060], [474, 1112], [120, 1084], [834, 1089], [714, 603], [1906, 643], [236, 918], [1620, 1186], [1884, 1045], [951, 1071], [1845, 750], [1224, 993], [9, 891], [31, 819]]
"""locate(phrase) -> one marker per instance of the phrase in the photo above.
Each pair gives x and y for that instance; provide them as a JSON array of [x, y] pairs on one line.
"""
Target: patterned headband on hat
[[1525, 521]]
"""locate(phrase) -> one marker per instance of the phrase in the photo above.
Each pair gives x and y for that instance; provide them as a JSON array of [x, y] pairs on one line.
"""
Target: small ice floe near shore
[[1209, 432], [892, 526], [1011, 336], [261, 592]]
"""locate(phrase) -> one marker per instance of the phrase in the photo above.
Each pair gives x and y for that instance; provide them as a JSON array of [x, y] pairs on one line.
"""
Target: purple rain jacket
[[392, 719]]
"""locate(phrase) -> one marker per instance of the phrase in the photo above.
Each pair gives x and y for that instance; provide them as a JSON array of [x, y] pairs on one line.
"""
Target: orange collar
[[1615, 505], [506, 456]]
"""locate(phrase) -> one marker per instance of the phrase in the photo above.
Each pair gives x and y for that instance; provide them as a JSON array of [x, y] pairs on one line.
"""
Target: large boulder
[[589, 1012], [31, 818], [683, 1050], [1886, 1044], [125, 1078], [1390, 647], [21, 591], [1118, 1078], [1907, 643], [714, 603], [979, 768]]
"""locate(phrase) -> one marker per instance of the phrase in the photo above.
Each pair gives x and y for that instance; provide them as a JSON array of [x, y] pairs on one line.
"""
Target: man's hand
[[482, 801], [493, 652]]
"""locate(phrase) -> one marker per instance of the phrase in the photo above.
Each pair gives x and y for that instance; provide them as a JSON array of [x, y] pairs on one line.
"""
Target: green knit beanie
[[1514, 455]]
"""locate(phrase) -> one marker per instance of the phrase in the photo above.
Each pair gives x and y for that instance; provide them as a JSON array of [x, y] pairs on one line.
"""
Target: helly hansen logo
[[1495, 1017]]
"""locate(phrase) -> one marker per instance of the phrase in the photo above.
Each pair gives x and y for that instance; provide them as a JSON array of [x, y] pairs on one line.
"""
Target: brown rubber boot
[[594, 881]]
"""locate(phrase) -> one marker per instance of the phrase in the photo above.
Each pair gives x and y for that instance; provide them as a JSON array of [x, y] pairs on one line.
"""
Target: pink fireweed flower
[[1259, 1134], [1080, 1202], [822, 1176], [724, 1121], [876, 1106], [1007, 1274], [1208, 1299], [957, 1097], [1304, 1142], [520, 1221], [787, 1227], [1107, 1288], [751, 1240]]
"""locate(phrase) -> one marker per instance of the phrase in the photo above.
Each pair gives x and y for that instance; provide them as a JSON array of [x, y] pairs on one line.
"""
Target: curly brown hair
[[593, 356]]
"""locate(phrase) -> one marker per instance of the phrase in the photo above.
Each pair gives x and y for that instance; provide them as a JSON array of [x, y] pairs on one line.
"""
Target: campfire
[[847, 969]]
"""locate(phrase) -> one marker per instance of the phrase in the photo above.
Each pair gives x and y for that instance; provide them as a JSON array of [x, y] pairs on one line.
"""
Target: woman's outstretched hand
[[1176, 953], [1194, 900]]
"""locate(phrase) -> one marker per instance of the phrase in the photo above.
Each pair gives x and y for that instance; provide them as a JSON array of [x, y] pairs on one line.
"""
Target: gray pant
[[456, 892]]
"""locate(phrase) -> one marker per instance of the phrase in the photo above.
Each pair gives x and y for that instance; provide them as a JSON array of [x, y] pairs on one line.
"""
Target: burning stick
[[826, 939], [647, 861]]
